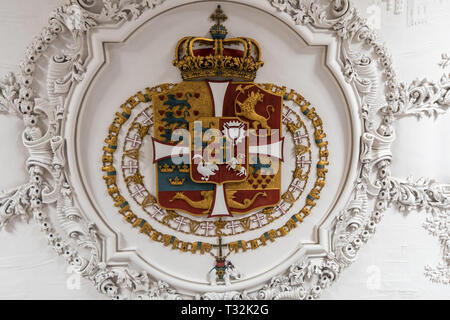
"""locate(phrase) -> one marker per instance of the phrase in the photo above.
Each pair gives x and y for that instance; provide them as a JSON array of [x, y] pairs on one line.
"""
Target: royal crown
[[166, 168], [184, 168], [177, 181], [220, 58]]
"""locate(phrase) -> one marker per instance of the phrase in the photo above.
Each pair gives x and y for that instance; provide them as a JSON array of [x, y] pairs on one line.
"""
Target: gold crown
[[184, 168], [176, 181], [166, 168], [201, 58]]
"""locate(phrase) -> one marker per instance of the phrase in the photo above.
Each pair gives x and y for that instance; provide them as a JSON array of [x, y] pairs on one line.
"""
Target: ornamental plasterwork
[[48, 197], [425, 98]]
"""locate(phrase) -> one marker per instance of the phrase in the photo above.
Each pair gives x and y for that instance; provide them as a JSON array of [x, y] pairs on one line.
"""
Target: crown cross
[[218, 15], [219, 246]]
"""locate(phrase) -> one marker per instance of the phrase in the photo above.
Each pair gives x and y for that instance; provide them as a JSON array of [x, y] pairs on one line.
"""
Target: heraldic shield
[[217, 147]]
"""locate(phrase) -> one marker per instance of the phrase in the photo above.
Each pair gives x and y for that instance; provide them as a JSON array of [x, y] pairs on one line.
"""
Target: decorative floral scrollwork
[[435, 199], [424, 98]]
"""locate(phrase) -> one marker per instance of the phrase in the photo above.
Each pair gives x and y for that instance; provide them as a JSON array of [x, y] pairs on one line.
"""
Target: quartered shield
[[217, 147]]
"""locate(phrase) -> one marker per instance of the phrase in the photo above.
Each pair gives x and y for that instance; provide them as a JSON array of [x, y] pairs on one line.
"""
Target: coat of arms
[[217, 140], [217, 143]]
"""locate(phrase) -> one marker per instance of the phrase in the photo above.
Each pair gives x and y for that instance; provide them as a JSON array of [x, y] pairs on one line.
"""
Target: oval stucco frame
[[96, 60]]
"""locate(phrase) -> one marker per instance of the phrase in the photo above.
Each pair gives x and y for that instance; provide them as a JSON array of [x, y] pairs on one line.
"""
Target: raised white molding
[[360, 208]]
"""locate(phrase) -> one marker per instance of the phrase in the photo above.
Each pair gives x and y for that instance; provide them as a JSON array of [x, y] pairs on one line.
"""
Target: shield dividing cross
[[226, 160]]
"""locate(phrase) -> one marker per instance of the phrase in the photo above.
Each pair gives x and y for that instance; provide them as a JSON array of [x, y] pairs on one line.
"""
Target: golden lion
[[248, 109]]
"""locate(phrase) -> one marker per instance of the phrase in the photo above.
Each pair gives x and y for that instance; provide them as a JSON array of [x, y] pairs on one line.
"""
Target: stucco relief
[[77, 239]]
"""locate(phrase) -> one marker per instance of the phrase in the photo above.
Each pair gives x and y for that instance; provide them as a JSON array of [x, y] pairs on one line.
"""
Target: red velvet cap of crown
[[204, 52]]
